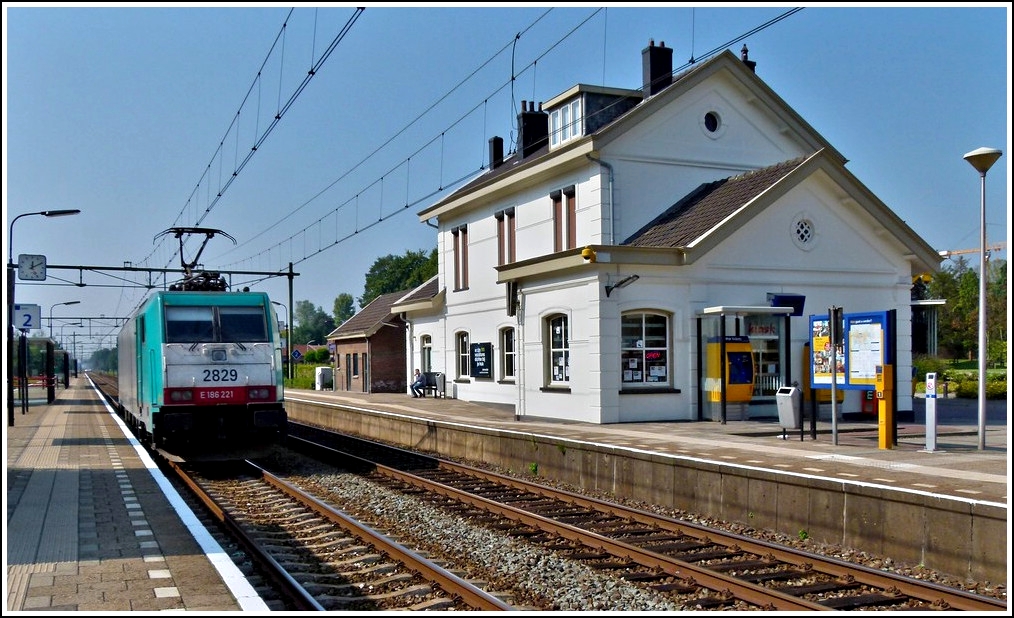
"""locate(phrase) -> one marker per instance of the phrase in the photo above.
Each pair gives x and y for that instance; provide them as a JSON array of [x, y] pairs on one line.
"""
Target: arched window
[[461, 348], [644, 350], [558, 352], [426, 353], [507, 353]]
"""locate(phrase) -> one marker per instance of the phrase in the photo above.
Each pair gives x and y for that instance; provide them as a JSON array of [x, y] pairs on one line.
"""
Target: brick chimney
[[533, 129], [744, 55], [656, 64], [495, 152]]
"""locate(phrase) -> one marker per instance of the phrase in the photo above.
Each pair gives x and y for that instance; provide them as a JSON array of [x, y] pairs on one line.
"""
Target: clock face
[[32, 267]]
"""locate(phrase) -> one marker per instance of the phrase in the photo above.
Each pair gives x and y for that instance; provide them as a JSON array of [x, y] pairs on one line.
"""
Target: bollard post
[[931, 412]]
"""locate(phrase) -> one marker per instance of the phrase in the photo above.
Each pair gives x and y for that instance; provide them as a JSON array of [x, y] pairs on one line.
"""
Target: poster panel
[[866, 335], [820, 363]]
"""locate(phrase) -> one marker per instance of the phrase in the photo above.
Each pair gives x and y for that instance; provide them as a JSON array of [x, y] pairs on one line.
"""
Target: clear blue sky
[[139, 116]]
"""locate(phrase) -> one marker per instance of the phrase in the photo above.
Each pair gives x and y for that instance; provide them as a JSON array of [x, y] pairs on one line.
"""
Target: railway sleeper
[[818, 588], [676, 548], [435, 604], [719, 554], [864, 600], [417, 590], [760, 578], [677, 587], [637, 534], [745, 565], [645, 577], [346, 589]]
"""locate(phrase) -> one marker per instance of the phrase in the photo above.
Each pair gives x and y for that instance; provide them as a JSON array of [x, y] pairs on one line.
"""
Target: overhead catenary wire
[[215, 197], [441, 135], [262, 136]]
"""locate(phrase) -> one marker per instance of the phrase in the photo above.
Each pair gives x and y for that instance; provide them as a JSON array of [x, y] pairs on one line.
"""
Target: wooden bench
[[433, 383]]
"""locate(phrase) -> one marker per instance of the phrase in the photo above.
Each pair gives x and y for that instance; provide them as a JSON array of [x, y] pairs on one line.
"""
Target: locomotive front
[[221, 373]]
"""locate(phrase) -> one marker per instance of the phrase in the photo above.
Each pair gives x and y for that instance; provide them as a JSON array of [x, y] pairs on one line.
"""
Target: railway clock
[[31, 267]]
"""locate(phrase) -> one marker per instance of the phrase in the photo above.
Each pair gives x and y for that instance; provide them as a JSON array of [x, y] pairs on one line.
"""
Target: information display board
[[866, 335], [864, 348]]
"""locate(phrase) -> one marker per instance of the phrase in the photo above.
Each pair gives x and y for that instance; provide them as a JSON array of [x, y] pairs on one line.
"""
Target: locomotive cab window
[[242, 324], [212, 324], [189, 325]]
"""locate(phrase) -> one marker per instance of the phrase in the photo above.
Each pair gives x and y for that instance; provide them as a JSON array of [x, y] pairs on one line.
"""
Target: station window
[[565, 123], [460, 236], [506, 229], [564, 218], [507, 353], [558, 352], [426, 353], [461, 348], [644, 349]]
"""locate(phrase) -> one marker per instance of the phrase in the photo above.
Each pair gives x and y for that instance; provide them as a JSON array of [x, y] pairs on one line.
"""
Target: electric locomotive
[[200, 372]]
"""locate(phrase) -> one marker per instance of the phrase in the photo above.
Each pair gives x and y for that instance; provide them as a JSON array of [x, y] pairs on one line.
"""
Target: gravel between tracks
[[508, 564]]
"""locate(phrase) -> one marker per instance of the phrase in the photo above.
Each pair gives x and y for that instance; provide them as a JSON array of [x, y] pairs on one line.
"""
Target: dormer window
[[565, 123]]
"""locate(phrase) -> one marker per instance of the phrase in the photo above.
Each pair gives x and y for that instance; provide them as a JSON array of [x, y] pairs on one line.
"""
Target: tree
[[104, 359], [392, 273], [996, 312], [312, 323], [344, 308], [958, 333]]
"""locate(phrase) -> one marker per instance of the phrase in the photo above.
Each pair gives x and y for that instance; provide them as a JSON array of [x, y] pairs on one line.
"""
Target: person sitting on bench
[[418, 384]]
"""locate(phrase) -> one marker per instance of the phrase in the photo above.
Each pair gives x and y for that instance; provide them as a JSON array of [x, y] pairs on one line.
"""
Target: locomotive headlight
[[218, 355], [260, 392], [181, 395]]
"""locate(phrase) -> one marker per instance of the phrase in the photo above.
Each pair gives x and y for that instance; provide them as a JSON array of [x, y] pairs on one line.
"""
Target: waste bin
[[789, 400], [323, 379]]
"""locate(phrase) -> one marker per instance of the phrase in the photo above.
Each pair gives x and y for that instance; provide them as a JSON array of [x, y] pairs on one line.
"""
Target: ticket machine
[[739, 369], [884, 384]]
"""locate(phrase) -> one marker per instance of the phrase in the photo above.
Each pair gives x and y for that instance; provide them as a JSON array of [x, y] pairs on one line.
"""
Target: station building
[[589, 274]]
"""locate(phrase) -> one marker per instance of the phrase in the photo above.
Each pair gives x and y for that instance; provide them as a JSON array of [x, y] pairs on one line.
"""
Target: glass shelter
[[743, 359]]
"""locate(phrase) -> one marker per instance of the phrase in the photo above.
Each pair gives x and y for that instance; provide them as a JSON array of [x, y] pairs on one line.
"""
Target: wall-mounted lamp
[[622, 283], [588, 254]]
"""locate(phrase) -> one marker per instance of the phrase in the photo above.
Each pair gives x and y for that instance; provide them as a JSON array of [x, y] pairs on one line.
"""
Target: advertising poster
[[820, 344], [482, 360]]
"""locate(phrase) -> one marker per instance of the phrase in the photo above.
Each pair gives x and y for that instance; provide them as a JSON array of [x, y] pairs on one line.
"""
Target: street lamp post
[[10, 301], [982, 159], [62, 326], [288, 334], [69, 302]]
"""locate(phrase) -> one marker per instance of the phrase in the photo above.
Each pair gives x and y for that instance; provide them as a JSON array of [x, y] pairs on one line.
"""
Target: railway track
[[704, 568], [694, 566], [304, 555], [323, 559]]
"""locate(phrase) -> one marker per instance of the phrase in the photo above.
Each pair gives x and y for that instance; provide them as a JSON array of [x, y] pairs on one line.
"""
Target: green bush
[[960, 376], [968, 388], [924, 364], [303, 377]]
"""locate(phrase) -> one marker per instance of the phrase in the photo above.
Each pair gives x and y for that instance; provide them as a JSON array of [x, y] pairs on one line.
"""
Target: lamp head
[[588, 254], [983, 158], [60, 213]]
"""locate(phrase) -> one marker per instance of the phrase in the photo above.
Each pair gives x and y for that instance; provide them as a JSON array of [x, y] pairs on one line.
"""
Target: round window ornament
[[712, 124], [803, 232]]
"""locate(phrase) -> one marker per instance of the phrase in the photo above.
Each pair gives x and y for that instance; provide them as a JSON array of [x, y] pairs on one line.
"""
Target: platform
[[952, 465], [92, 525]]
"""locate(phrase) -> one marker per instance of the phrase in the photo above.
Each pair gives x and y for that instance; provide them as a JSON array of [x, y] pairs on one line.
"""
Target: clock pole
[[10, 303], [10, 340]]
